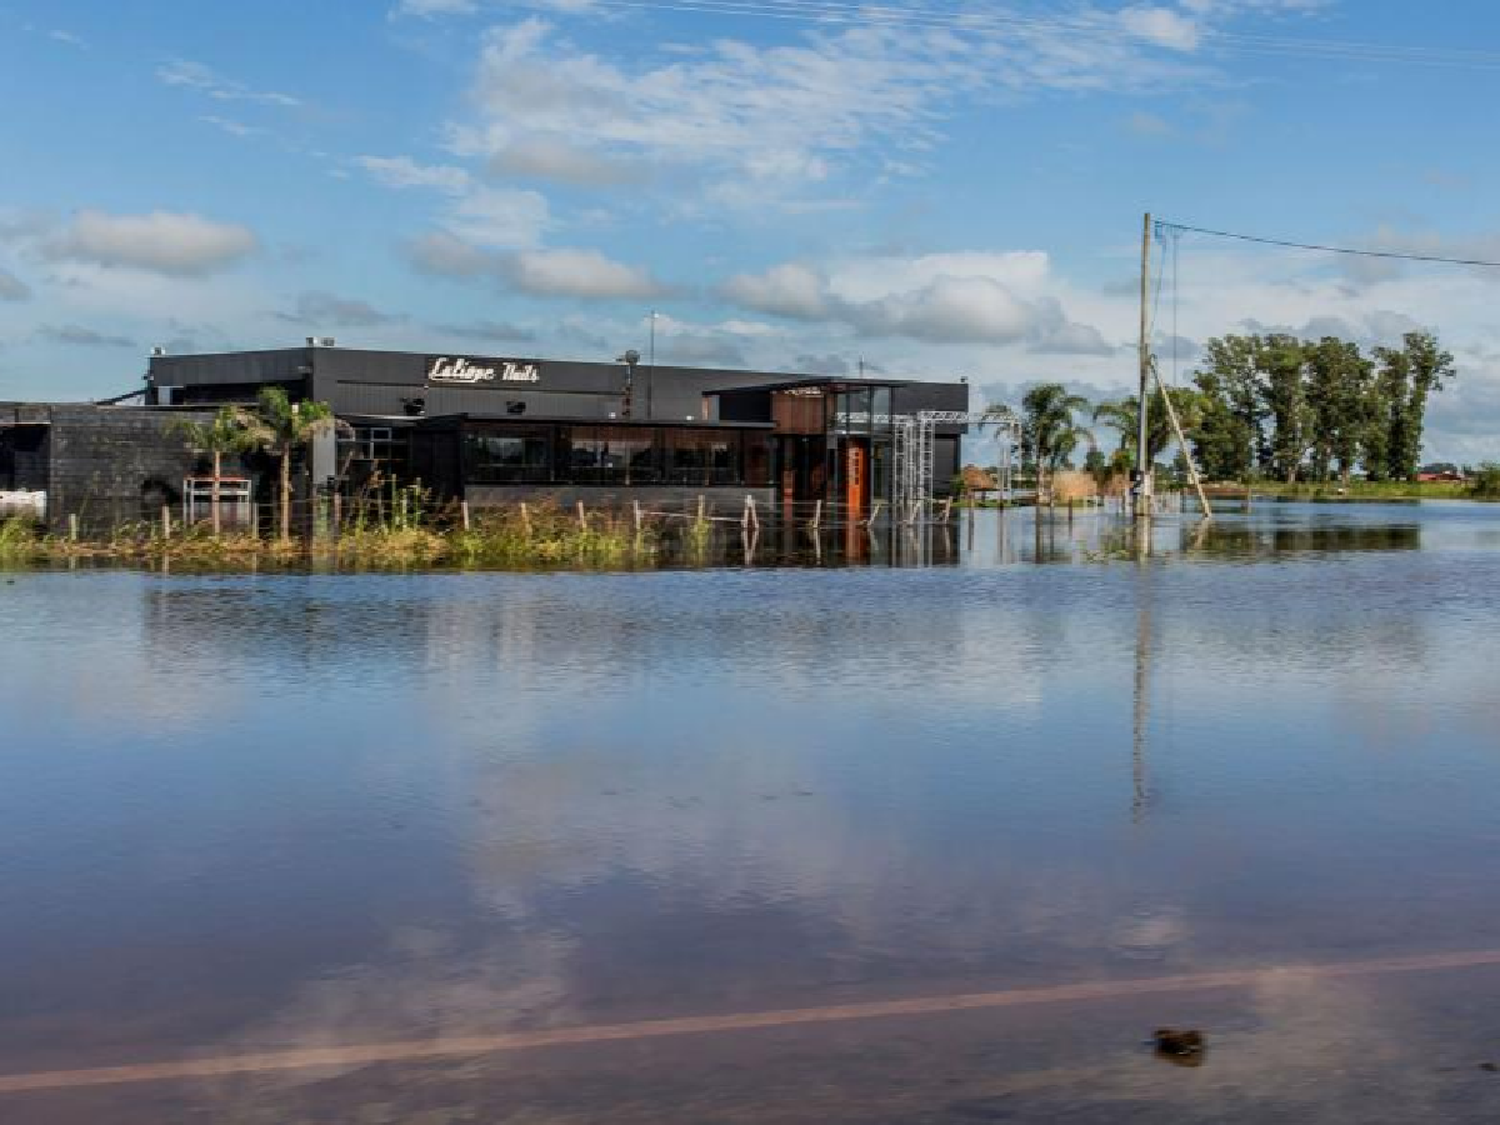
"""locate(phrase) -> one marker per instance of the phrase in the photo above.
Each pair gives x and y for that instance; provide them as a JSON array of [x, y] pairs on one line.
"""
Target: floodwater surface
[[944, 842]]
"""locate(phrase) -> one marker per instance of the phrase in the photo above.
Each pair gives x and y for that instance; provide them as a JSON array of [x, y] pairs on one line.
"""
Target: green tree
[[230, 430], [1231, 379], [282, 427], [1341, 404], [1282, 362], [1407, 379], [1124, 417], [1050, 430]]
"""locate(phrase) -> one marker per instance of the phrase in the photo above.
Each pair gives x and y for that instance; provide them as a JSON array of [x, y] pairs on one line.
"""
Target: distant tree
[[1234, 408], [1282, 362], [1049, 426], [1407, 378], [1341, 404]]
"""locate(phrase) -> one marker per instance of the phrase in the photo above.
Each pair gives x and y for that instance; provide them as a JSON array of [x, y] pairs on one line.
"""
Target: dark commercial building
[[489, 429]]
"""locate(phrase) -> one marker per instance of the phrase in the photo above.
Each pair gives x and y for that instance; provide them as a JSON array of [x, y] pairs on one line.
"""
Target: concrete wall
[[114, 465]]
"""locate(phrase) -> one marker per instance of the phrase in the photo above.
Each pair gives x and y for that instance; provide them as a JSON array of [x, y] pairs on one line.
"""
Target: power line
[[1164, 226]]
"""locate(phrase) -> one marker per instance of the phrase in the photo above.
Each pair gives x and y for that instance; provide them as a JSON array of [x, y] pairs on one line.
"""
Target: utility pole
[[1142, 461]]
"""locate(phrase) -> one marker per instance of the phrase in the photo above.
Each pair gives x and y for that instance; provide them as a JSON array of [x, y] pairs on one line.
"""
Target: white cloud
[[1161, 27], [789, 289], [570, 273], [445, 254], [63, 36], [500, 217], [782, 117], [161, 242], [230, 126], [584, 274], [956, 298], [550, 158], [196, 76], [950, 310], [404, 172], [12, 288]]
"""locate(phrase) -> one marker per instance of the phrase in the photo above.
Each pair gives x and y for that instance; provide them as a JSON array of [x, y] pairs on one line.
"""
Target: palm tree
[[1125, 418], [1049, 426], [280, 427], [228, 431]]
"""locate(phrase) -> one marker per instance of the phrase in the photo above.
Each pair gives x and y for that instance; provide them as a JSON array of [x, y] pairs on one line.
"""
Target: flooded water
[[449, 847]]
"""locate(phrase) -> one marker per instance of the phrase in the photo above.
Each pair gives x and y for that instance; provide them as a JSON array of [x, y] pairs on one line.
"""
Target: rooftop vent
[[320, 341], [157, 349]]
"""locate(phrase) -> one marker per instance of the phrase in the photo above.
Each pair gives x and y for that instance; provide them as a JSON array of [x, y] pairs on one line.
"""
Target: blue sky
[[938, 190]]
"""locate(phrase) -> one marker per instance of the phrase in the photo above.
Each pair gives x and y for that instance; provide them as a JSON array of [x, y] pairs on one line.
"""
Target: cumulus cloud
[[196, 76], [965, 298], [319, 308], [563, 272], [791, 290], [444, 254], [161, 242], [12, 288], [1161, 27], [77, 335], [586, 274], [550, 158]]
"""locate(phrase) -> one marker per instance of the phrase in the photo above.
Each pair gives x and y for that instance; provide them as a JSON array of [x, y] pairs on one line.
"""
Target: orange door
[[855, 458]]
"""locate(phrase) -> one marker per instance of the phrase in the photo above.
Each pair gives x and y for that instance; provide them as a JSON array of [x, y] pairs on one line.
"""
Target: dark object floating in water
[[1184, 1048], [1489, 1066]]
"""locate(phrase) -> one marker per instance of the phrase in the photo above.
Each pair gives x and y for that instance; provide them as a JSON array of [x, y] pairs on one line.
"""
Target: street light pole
[[1142, 460]]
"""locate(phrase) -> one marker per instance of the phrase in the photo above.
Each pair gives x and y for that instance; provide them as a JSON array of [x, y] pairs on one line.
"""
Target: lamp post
[[630, 359]]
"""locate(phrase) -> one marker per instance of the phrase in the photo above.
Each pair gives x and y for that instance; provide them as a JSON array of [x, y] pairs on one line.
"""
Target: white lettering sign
[[460, 370]]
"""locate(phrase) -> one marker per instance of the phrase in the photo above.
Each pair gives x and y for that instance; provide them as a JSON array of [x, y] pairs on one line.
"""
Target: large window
[[702, 457], [520, 456]]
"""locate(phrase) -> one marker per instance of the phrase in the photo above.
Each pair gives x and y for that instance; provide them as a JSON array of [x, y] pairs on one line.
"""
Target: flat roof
[[837, 382]]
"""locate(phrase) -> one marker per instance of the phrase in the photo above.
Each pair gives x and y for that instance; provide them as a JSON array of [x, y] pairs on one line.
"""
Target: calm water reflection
[[247, 811]]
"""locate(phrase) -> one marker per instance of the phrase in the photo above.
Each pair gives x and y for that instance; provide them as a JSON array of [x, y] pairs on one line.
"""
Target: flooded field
[[934, 842]]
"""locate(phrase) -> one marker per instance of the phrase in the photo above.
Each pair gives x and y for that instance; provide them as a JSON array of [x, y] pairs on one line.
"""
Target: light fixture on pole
[[630, 359]]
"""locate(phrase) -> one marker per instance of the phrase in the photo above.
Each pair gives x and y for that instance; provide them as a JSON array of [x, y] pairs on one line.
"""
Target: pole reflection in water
[[1141, 694]]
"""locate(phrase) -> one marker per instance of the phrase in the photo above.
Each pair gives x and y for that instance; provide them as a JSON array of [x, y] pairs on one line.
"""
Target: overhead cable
[[1163, 226]]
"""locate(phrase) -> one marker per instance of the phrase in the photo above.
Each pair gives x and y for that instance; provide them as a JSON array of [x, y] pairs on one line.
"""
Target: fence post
[[525, 519], [73, 527], [166, 521], [583, 519], [636, 510], [463, 511], [338, 514], [702, 502]]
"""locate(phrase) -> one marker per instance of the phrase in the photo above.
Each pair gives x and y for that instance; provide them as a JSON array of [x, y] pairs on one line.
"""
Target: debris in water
[[1184, 1048], [1489, 1066]]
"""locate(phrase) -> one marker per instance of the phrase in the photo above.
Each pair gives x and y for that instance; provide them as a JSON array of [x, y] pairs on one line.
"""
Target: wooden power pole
[[1142, 459]]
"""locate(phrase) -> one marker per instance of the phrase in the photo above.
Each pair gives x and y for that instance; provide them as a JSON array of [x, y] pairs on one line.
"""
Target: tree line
[[1261, 406]]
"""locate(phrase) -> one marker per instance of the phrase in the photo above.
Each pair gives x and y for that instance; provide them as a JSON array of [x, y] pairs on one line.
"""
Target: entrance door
[[856, 477]]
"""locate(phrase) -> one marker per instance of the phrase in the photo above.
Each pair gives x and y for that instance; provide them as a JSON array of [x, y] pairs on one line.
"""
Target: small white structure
[[22, 503]]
